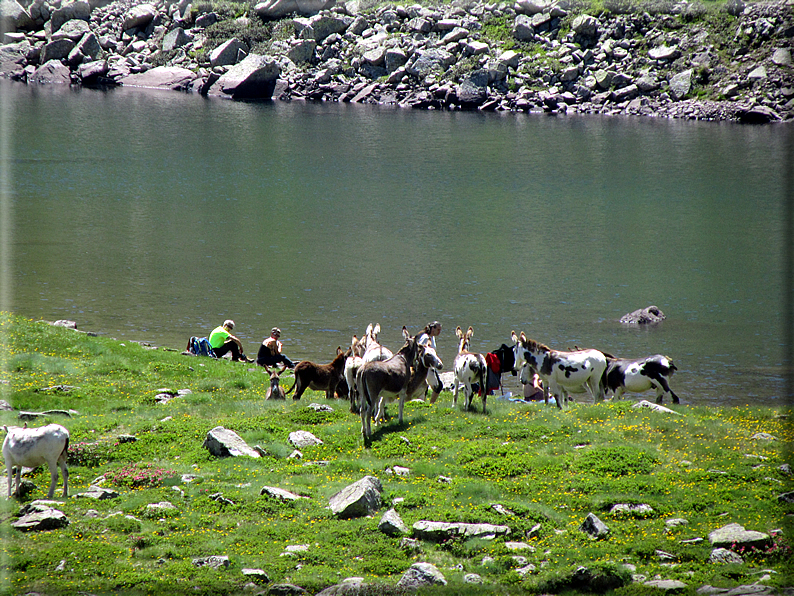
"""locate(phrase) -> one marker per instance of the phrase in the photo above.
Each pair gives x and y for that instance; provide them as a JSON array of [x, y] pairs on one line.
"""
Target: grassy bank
[[549, 468]]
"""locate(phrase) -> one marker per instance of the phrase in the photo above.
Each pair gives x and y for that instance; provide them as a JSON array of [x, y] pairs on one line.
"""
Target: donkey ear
[[514, 337], [459, 332], [406, 335], [376, 329], [470, 332]]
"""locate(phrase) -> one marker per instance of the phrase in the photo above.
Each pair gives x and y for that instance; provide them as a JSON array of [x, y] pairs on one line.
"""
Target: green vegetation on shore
[[548, 468]]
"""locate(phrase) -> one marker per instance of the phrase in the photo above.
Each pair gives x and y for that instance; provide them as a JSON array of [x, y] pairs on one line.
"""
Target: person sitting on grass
[[223, 342], [270, 352]]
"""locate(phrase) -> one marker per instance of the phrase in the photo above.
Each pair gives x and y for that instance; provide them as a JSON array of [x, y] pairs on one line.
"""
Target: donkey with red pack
[[562, 372], [642, 374]]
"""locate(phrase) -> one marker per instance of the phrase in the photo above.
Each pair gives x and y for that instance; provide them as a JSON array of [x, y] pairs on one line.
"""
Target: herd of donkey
[[373, 375]]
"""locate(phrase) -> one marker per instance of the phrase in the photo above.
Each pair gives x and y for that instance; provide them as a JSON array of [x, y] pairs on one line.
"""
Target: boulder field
[[651, 58]]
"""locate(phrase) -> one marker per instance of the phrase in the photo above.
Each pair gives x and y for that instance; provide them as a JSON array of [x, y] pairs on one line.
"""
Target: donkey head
[[465, 339]]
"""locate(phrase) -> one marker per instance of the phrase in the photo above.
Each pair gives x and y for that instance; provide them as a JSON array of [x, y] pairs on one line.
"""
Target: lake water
[[154, 216]]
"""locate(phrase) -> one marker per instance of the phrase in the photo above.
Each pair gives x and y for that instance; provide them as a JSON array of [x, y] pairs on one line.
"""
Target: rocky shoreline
[[659, 59]]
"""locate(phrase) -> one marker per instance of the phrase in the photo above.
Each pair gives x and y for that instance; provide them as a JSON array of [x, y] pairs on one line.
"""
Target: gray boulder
[[56, 50], [430, 61], [88, 46], [13, 16], [585, 25], [302, 50], [736, 535], [276, 9], [79, 10], [643, 316], [523, 29], [226, 53], [594, 527], [473, 89], [664, 53], [51, 71], [531, 7], [41, 519], [280, 494], [725, 556], [174, 39], [359, 499], [222, 442], [422, 574], [320, 26], [98, 493], [13, 56], [681, 84], [303, 438], [668, 585], [394, 59], [781, 57], [139, 16], [253, 78], [213, 561], [392, 524], [441, 531]]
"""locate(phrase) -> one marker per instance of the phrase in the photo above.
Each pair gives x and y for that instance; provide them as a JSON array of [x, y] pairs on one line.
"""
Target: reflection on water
[[156, 215]]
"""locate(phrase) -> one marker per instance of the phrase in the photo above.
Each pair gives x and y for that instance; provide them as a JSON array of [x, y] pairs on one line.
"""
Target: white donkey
[[470, 368], [352, 364], [373, 351], [33, 447]]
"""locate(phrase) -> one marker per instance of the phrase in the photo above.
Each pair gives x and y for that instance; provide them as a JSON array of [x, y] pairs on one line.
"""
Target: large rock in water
[[51, 72], [643, 316], [162, 77], [276, 9], [359, 499], [253, 78], [473, 89]]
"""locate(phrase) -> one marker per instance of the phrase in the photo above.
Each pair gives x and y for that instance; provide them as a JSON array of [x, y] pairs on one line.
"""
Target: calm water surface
[[155, 215]]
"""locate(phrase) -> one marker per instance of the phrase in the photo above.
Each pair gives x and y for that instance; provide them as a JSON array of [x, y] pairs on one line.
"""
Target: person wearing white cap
[[222, 342]]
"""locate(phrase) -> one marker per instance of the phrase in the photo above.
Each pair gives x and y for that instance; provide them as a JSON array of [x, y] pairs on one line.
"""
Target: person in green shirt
[[222, 342]]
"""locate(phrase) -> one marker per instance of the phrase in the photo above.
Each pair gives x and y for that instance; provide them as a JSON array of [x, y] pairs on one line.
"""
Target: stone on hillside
[[668, 585], [736, 535], [74, 29], [431, 61], [359, 499], [207, 20], [531, 7], [213, 561], [67, 12], [394, 59], [647, 83], [226, 53], [781, 57], [456, 35], [624, 508], [786, 497], [253, 78], [56, 50], [88, 47], [422, 574], [52, 72], [473, 89], [175, 78], [99, 493], [392, 524], [319, 26], [441, 531], [522, 28], [681, 84], [13, 16], [644, 403], [303, 438], [594, 527], [585, 25], [757, 114], [276, 9], [285, 590], [643, 316], [174, 39], [13, 56], [222, 442], [280, 494], [301, 50], [725, 556], [757, 74], [41, 520], [664, 53], [139, 16], [258, 575], [472, 578]]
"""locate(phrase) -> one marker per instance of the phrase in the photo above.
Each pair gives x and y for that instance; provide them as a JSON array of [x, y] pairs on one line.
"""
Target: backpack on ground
[[200, 346]]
